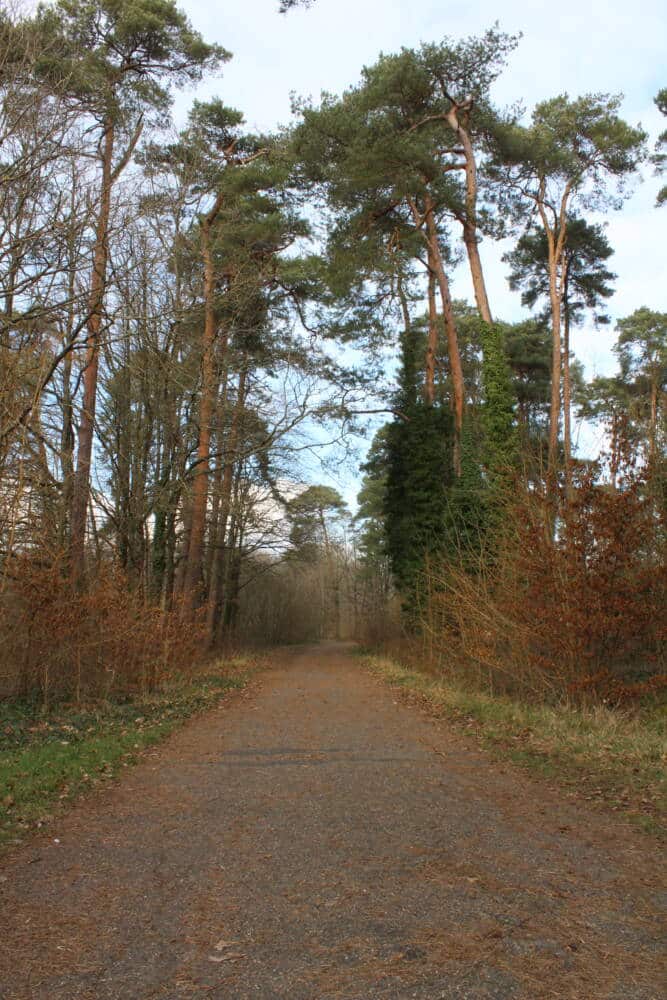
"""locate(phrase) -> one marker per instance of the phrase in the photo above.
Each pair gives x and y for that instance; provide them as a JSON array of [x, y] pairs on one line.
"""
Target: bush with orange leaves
[[569, 604], [105, 642]]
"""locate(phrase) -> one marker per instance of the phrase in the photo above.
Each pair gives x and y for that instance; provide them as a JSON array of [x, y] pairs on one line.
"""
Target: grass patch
[[47, 759], [605, 754]]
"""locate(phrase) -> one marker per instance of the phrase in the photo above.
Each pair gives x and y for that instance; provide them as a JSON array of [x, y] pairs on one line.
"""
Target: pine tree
[[572, 152]]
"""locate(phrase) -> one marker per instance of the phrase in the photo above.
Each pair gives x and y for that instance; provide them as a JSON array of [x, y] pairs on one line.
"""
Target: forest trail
[[315, 840]]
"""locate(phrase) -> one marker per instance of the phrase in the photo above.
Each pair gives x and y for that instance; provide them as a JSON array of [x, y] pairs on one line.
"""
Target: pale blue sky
[[576, 46]]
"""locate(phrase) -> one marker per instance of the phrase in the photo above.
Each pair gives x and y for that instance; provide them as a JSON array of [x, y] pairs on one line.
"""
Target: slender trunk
[[233, 591], [475, 261], [556, 234], [653, 427], [615, 451], [67, 427], [455, 367], [81, 483], [404, 305], [567, 396], [66, 452], [218, 567], [554, 410], [217, 481], [167, 596], [233, 578], [159, 547], [432, 341], [193, 571], [181, 559], [469, 221]]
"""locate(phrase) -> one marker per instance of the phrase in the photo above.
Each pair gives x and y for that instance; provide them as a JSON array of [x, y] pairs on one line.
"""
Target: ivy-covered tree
[[419, 449], [499, 407], [528, 348]]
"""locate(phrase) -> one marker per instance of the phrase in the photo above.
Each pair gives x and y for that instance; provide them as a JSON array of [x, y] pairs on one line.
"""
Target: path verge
[[48, 759], [604, 755]]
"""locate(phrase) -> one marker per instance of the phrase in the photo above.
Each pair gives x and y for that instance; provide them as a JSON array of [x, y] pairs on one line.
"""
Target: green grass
[[47, 759], [604, 754]]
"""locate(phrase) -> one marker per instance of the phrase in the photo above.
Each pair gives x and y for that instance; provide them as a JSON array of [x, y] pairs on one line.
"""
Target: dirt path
[[319, 841]]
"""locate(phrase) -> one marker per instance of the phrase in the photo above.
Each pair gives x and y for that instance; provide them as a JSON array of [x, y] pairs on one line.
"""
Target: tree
[[115, 60], [568, 156], [314, 515], [388, 155], [659, 157], [527, 344], [419, 470], [310, 514], [498, 411], [360, 151], [462, 74], [642, 353], [585, 284], [210, 146]]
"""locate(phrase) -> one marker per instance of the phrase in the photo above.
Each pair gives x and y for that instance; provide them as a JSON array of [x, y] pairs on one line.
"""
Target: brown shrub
[[105, 642], [570, 603]]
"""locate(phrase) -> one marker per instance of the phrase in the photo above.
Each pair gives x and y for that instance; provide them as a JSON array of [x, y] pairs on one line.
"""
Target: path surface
[[317, 840]]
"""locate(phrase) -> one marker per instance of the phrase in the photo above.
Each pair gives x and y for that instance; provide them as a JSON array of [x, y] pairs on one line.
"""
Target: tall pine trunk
[[556, 349], [567, 396], [81, 481], [218, 566], [469, 221], [193, 570], [432, 340], [456, 370]]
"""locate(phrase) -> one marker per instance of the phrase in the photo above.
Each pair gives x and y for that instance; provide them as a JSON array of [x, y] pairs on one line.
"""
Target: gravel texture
[[313, 839]]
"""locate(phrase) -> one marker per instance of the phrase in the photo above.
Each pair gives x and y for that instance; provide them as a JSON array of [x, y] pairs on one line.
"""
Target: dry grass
[[612, 756]]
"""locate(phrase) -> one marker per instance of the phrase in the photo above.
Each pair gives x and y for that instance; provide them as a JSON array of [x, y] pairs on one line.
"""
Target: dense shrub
[[108, 641], [569, 603]]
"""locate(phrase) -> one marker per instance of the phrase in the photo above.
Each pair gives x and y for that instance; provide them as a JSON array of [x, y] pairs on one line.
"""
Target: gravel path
[[315, 840]]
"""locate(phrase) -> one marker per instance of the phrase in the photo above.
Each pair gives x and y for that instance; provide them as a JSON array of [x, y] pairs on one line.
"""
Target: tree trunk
[[556, 240], [554, 410], [653, 426], [475, 261], [404, 305], [218, 567], [193, 571], [567, 396], [233, 578], [455, 367], [81, 483], [221, 406], [432, 341], [469, 221]]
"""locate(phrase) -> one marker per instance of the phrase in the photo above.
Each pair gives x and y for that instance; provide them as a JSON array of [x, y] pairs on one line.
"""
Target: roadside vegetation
[[605, 755], [50, 756]]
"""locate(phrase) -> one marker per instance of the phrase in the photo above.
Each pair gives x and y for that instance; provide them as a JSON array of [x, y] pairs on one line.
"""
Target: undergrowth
[[606, 754], [49, 757]]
